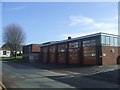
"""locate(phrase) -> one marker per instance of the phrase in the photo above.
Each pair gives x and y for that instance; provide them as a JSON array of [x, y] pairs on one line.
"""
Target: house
[[4, 53], [6, 47]]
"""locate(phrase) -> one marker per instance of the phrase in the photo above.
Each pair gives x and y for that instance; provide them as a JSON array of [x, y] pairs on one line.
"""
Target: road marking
[[75, 73], [101, 71], [2, 87]]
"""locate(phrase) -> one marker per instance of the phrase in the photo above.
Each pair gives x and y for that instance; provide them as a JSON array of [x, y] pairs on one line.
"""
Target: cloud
[[82, 25], [80, 20], [108, 25], [112, 19], [17, 8]]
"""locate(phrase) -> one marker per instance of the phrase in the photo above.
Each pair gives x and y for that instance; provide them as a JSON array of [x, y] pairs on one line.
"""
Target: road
[[27, 75]]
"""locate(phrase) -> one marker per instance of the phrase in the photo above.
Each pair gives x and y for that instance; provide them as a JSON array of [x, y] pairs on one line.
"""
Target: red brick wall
[[36, 48], [109, 57], [31, 50]]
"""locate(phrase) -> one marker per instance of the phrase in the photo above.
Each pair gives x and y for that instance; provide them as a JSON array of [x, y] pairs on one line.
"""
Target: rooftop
[[82, 37]]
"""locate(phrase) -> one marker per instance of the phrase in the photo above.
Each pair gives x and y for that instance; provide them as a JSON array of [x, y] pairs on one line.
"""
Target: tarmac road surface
[[27, 75]]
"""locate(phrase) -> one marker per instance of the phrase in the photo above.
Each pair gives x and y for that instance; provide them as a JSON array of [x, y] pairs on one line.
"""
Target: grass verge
[[17, 59]]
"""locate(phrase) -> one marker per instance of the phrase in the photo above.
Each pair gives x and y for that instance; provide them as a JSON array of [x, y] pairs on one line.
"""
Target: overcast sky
[[52, 21]]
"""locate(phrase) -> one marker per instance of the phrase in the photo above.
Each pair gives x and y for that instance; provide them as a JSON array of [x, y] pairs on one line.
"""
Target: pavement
[[39, 75]]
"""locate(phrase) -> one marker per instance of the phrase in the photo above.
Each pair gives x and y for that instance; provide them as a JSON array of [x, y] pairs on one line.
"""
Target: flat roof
[[31, 44], [82, 37]]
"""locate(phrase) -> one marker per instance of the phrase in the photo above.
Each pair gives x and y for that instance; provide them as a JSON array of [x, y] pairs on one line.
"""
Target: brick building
[[31, 53], [94, 49]]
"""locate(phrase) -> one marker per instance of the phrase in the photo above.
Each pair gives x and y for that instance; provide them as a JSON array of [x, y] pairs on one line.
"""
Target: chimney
[[69, 37]]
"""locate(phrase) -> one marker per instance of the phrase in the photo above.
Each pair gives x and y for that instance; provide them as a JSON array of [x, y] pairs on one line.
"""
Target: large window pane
[[111, 41], [73, 50], [44, 53], [73, 45], [103, 40], [107, 39], [62, 47], [62, 51], [115, 41], [89, 49], [52, 50]]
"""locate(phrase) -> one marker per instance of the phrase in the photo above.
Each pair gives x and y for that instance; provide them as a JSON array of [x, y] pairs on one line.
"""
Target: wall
[[35, 48], [109, 55], [31, 53], [7, 53]]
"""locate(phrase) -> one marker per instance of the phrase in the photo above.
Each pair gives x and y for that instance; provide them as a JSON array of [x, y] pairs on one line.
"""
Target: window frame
[[4, 52]]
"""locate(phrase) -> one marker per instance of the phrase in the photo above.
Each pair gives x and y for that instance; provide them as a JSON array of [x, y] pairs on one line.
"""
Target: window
[[73, 50], [89, 49], [52, 48], [61, 51], [4, 52], [73, 45], [103, 39], [107, 38], [115, 41], [62, 47], [89, 43], [44, 49], [111, 41], [118, 41]]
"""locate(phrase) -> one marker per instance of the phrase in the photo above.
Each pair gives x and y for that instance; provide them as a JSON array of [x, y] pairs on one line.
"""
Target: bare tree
[[14, 37]]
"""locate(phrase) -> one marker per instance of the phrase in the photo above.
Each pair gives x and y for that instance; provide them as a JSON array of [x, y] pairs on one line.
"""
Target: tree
[[14, 37]]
